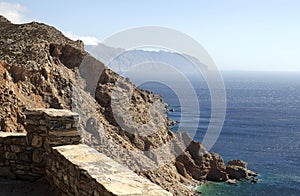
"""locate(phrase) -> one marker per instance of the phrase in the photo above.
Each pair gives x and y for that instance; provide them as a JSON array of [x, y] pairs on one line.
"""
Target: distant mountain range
[[145, 61]]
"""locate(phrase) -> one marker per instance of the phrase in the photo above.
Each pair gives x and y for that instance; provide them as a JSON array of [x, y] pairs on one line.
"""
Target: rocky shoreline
[[39, 68]]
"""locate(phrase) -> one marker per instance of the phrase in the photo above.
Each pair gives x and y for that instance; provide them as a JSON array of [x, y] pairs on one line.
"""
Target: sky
[[256, 35]]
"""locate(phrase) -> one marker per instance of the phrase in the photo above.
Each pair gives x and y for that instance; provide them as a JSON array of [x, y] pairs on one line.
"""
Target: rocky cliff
[[41, 68]]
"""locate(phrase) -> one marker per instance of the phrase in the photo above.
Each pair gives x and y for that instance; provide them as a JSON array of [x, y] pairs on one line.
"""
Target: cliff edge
[[41, 68]]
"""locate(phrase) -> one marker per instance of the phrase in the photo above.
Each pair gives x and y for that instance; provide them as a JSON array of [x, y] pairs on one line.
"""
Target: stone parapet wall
[[53, 127], [51, 151], [17, 159], [81, 170]]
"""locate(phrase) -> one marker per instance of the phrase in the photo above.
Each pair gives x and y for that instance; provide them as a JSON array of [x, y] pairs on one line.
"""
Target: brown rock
[[237, 169], [239, 163], [36, 141], [217, 170], [197, 150], [37, 156], [191, 168], [181, 169], [237, 172], [16, 148]]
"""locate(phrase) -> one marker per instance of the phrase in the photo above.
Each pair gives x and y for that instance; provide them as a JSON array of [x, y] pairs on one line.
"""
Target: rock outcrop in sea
[[39, 68]]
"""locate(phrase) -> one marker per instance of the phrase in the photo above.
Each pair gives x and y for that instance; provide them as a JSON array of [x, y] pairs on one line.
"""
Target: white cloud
[[87, 40], [14, 12]]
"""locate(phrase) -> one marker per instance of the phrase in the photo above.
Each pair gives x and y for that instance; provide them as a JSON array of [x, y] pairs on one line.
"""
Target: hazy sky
[[238, 34]]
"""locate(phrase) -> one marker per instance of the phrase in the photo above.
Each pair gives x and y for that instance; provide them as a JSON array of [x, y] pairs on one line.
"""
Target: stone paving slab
[[116, 178]]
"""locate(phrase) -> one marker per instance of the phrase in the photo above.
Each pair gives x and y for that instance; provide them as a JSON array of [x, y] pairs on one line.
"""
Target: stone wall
[[17, 159], [51, 151]]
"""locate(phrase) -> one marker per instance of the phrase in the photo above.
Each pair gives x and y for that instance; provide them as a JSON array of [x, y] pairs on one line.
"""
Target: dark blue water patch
[[262, 127]]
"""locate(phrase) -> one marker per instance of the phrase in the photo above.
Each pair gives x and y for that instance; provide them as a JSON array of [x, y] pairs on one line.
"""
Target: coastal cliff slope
[[41, 68]]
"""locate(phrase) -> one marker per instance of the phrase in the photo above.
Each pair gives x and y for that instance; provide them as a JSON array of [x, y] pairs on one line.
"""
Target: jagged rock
[[69, 55], [239, 163], [181, 169], [217, 170], [237, 169], [236, 172], [197, 150], [190, 166]]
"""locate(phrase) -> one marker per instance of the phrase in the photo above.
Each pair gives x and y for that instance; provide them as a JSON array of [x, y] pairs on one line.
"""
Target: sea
[[262, 127]]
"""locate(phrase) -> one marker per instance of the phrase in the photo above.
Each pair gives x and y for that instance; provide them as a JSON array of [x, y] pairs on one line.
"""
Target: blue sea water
[[262, 127]]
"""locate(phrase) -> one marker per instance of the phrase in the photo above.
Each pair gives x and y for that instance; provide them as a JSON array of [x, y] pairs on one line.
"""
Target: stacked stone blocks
[[51, 151]]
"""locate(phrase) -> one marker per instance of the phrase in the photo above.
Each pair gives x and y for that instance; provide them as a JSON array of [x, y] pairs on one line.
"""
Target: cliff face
[[40, 67]]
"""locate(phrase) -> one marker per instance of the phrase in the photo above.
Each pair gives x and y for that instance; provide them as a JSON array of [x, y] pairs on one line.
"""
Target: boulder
[[237, 169], [237, 172]]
